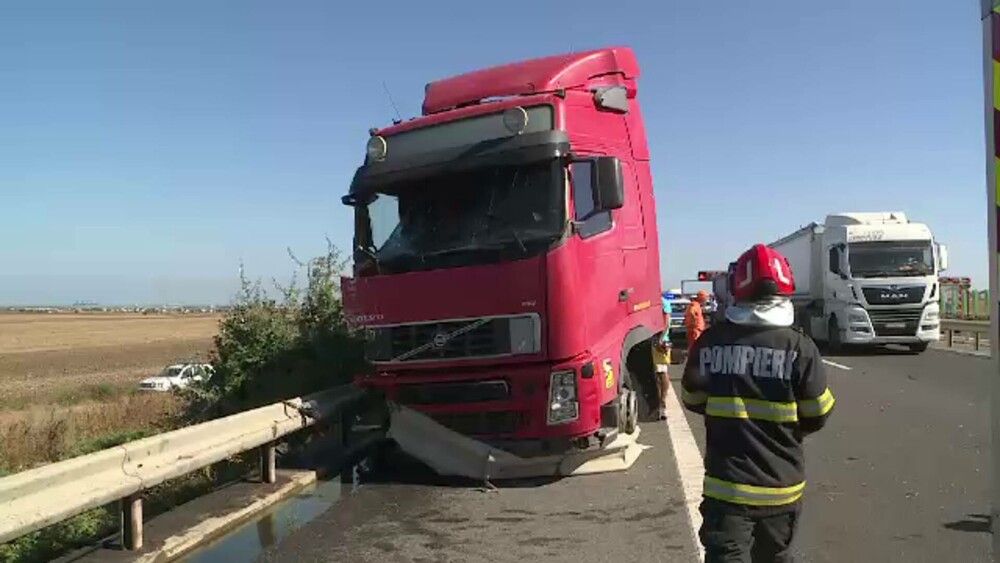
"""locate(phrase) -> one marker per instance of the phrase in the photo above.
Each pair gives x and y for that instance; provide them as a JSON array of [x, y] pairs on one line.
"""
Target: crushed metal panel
[[452, 454]]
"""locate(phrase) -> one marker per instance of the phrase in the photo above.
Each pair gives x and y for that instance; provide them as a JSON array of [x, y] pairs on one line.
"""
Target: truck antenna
[[399, 118]]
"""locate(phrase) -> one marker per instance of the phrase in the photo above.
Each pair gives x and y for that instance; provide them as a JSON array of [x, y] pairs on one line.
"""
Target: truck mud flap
[[449, 453]]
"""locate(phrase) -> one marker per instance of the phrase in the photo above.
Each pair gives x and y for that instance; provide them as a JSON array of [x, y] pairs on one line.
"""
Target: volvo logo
[[362, 318], [440, 339]]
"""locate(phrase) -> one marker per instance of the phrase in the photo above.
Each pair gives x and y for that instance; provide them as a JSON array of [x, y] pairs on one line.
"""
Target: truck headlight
[[857, 318], [931, 315], [563, 403]]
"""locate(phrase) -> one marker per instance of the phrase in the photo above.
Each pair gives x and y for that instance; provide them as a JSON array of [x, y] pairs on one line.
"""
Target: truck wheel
[[629, 401], [833, 336], [918, 347]]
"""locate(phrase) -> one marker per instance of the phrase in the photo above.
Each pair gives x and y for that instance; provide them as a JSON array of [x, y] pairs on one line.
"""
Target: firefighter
[[760, 384], [694, 319]]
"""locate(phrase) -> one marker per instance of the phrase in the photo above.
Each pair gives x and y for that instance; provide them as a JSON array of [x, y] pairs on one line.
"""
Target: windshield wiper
[[873, 273], [373, 254], [466, 248]]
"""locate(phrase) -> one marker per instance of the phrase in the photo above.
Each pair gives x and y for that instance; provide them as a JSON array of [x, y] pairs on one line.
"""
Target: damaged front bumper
[[450, 453]]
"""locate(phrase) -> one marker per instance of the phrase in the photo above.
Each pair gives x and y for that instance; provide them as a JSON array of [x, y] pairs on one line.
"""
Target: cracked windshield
[[464, 218]]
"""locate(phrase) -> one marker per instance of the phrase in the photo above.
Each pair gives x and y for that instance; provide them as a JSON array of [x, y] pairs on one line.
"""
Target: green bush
[[46, 544], [271, 349]]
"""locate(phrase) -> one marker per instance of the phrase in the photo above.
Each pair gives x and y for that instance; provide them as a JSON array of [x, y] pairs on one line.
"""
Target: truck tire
[[637, 396], [630, 409], [918, 347], [834, 343]]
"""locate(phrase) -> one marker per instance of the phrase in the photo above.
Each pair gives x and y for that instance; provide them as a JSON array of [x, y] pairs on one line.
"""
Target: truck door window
[[834, 260], [588, 222]]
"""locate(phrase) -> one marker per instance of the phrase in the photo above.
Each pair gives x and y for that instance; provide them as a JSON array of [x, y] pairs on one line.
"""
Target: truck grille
[[480, 423], [450, 393], [895, 322], [907, 295], [454, 339]]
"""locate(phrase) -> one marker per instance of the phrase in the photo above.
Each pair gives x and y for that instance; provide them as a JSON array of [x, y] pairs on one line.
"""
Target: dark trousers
[[732, 533]]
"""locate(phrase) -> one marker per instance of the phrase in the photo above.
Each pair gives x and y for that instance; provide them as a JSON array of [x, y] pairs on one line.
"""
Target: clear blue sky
[[147, 148]]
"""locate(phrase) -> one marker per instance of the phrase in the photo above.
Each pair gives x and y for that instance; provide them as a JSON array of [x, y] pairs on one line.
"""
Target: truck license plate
[[895, 325]]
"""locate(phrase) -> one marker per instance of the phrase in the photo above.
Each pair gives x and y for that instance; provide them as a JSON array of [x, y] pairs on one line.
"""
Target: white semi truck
[[866, 279]]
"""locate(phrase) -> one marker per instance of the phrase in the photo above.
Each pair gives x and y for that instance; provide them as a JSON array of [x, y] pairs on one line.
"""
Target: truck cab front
[[505, 249]]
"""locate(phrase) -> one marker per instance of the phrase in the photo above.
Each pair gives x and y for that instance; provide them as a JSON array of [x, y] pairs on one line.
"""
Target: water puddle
[[248, 542]]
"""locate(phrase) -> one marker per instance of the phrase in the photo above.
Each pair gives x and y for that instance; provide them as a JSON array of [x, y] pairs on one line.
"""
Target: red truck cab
[[506, 252]]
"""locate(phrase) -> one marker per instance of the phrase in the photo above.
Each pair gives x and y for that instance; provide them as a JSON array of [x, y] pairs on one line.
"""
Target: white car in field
[[177, 376]]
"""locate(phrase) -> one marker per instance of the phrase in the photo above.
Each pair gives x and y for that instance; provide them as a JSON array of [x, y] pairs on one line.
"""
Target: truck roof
[[547, 74], [877, 218]]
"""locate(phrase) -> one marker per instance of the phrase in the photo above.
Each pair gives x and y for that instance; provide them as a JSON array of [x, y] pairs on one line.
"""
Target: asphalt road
[[901, 472], [406, 514]]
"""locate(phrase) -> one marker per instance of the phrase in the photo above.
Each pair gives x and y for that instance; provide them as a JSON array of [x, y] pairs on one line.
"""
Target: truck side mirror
[[835, 260], [838, 261], [608, 182], [943, 257]]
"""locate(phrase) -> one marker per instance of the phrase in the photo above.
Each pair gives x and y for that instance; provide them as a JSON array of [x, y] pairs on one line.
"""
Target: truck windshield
[[486, 215], [891, 258]]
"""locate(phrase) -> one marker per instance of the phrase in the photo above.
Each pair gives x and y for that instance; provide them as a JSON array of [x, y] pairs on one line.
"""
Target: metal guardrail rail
[[951, 327], [46, 495]]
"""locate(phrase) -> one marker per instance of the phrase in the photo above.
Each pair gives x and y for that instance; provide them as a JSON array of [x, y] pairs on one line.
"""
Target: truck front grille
[[451, 393], [895, 322], [492, 423], [455, 339], [907, 295]]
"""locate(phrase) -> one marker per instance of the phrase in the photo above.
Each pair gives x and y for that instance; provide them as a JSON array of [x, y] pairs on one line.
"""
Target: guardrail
[[949, 327], [46, 495]]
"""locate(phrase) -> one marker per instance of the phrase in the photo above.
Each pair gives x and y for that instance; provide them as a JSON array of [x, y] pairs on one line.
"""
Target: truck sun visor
[[510, 150]]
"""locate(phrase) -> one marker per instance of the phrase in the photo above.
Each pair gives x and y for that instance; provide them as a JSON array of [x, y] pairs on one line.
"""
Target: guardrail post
[[978, 334], [131, 522], [951, 337], [267, 463]]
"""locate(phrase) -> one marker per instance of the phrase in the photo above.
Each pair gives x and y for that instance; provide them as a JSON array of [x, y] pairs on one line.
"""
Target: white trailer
[[866, 278]]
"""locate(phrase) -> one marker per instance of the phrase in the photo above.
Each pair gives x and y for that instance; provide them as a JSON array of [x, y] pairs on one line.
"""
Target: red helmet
[[762, 272]]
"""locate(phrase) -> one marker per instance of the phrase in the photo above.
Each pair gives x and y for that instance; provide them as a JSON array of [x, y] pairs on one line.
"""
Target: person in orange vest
[[694, 319]]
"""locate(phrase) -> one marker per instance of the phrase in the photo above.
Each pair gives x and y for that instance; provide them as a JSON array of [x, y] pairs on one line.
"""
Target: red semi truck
[[506, 261]]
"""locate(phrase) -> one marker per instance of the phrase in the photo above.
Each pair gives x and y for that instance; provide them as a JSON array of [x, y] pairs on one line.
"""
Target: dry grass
[[49, 358], [68, 381], [45, 434]]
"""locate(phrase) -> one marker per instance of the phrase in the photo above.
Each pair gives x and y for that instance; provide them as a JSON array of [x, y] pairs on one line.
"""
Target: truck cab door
[[643, 292], [837, 292], [836, 264], [605, 292]]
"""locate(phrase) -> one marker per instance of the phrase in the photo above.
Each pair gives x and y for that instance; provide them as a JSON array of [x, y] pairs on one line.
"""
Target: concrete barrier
[[40, 497]]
